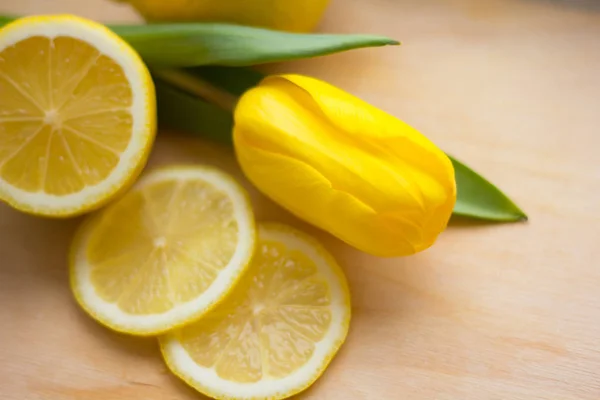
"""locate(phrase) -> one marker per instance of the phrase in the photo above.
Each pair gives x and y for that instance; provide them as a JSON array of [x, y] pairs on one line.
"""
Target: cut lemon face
[[77, 115], [166, 252], [276, 332]]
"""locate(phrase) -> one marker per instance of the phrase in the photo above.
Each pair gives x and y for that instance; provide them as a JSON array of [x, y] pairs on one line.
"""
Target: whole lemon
[[286, 15]]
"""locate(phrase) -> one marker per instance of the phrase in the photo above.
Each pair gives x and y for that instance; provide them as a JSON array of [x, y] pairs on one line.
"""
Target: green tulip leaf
[[184, 112], [478, 198], [5, 19], [234, 80], [195, 44]]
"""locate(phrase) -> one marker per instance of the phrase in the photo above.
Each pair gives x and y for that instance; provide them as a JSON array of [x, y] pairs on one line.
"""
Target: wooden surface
[[512, 87]]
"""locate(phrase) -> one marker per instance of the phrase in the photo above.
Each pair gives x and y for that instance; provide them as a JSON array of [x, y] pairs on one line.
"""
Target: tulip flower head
[[343, 165]]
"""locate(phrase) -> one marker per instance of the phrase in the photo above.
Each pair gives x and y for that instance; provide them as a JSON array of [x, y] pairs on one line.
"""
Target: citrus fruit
[[286, 15], [77, 115], [164, 253], [276, 332]]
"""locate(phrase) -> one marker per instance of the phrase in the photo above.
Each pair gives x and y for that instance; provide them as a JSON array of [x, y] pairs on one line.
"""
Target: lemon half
[[166, 252], [77, 115], [277, 330]]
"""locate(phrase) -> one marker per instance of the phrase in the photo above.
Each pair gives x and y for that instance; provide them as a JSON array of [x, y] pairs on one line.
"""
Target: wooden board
[[492, 312]]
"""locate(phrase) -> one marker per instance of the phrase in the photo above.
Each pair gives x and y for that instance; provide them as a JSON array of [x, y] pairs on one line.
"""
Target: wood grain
[[492, 312]]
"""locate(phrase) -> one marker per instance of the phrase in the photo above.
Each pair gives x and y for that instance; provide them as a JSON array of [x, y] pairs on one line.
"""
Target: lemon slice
[[166, 252], [77, 115], [276, 332]]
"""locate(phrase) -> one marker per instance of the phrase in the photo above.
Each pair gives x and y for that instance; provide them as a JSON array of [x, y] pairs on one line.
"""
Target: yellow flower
[[344, 165], [286, 15]]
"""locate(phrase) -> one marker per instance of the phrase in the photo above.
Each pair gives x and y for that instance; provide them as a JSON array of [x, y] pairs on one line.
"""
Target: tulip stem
[[197, 87]]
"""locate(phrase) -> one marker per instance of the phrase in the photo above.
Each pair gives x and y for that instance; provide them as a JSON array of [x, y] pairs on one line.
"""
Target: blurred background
[[492, 312]]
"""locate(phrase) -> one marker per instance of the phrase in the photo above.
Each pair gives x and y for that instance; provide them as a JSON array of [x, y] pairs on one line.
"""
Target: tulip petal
[[356, 117], [390, 139], [282, 116], [306, 193]]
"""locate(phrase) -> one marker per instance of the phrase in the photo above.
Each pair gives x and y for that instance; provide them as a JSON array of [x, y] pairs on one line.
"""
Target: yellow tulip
[[344, 165], [285, 15]]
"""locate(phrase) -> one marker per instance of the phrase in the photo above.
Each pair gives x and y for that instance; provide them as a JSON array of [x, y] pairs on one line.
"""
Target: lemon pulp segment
[[58, 101]]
